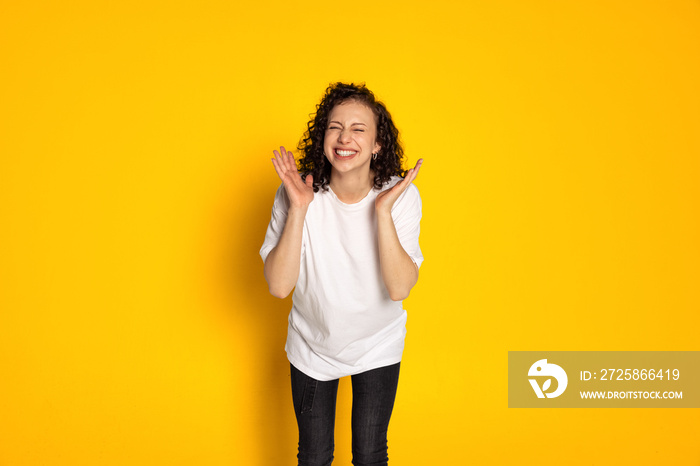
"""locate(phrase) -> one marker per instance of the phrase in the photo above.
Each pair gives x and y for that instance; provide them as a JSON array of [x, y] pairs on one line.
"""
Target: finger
[[412, 174], [417, 168], [279, 171], [309, 180], [287, 155], [284, 159], [292, 165], [280, 166], [282, 155]]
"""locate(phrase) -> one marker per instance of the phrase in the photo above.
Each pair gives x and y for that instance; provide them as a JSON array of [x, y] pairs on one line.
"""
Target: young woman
[[344, 235]]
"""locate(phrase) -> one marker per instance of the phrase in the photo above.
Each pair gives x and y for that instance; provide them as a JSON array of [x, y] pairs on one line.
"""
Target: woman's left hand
[[386, 199]]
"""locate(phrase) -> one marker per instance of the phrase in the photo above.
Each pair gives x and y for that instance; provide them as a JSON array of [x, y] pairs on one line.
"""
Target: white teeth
[[345, 153]]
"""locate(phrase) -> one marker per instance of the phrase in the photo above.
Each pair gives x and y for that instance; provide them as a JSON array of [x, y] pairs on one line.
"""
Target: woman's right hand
[[300, 193]]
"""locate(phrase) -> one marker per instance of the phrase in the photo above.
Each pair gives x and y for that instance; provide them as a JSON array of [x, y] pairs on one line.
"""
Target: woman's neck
[[351, 188]]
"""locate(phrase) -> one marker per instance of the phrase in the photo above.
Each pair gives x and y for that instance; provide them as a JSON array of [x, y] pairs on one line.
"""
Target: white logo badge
[[541, 368]]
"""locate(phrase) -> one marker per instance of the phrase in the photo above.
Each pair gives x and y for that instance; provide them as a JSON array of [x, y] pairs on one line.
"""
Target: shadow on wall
[[264, 417]]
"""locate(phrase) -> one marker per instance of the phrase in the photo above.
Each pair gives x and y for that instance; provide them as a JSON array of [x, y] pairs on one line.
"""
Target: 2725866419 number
[[639, 374]]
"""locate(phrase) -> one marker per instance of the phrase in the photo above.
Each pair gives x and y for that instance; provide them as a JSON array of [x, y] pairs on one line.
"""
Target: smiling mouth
[[345, 154]]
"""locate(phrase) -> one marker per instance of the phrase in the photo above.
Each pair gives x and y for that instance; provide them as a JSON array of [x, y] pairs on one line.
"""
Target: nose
[[344, 136]]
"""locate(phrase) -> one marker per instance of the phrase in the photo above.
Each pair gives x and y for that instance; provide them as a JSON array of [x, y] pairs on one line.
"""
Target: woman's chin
[[348, 168]]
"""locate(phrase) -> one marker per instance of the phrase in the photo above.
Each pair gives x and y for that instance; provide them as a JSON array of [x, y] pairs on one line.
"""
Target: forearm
[[282, 263], [399, 272]]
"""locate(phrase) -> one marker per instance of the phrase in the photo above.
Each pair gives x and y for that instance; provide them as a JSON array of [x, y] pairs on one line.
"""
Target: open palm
[[386, 199], [300, 193]]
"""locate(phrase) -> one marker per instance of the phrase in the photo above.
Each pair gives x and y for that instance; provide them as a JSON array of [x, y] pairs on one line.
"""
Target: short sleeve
[[277, 222], [407, 213]]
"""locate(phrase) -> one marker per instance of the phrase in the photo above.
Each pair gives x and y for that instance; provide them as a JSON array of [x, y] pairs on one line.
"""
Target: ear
[[377, 148]]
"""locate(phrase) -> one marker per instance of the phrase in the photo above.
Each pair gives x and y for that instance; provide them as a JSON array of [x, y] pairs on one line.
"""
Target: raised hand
[[300, 193], [386, 199]]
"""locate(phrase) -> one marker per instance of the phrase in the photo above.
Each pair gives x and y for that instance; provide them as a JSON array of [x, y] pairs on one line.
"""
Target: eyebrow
[[333, 121]]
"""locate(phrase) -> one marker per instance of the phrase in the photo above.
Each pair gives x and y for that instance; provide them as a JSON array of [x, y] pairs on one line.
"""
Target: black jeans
[[373, 395]]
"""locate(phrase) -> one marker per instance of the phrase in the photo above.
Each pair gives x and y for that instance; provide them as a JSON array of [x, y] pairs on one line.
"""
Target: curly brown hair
[[390, 157]]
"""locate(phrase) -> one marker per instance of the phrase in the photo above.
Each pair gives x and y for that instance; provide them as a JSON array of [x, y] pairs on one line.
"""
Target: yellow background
[[561, 212]]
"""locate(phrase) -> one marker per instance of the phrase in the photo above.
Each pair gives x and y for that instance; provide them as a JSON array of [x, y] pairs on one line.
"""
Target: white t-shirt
[[343, 321]]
